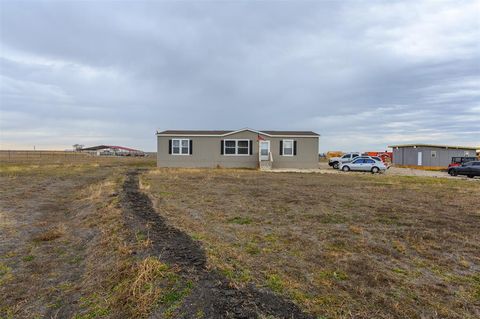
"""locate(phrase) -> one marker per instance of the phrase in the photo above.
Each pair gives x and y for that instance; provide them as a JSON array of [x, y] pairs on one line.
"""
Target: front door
[[419, 158], [264, 150]]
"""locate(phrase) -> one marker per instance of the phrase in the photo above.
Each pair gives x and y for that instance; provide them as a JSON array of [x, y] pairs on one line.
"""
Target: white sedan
[[364, 164]]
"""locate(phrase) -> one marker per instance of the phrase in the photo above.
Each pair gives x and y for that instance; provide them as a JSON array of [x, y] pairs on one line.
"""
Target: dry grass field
[[84, 240], [341, 246], [66, 251]]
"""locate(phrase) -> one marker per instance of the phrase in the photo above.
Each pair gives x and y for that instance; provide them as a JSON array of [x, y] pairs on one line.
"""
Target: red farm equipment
[[387, 157]]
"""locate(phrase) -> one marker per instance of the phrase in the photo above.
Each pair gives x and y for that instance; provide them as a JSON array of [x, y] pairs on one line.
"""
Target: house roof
[[229, 132], [193, 132], [437, 146], [273, 133]]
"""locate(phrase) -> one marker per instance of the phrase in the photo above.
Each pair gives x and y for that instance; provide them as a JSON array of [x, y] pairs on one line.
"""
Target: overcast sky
[[363, 74]]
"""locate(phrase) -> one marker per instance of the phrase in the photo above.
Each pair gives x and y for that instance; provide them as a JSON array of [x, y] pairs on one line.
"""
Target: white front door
[[264, 150], [419, 159]]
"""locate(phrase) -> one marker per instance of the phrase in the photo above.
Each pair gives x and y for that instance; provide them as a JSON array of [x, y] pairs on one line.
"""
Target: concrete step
[[265, 165]]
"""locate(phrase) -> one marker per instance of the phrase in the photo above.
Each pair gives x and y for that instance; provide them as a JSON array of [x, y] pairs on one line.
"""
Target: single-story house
[[244, 148], [427, 155]]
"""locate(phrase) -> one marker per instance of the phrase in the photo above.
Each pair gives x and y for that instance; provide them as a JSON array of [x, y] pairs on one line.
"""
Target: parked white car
[[365, 165], [375, 158]]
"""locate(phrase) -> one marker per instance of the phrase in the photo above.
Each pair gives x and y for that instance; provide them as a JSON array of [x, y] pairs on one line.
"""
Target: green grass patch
[[28, 258], [240, 220], [332, 274], [337, 245], [5, 273], [400, 271], [140, 236], [93, 306], [275, 283], [252, 249], [332, 219]]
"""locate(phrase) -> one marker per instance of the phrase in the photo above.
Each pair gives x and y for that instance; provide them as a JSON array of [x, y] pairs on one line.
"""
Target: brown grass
[[51, 234], [71, 254], [131, 283], [123, 279], [341, 246], [143, 286]]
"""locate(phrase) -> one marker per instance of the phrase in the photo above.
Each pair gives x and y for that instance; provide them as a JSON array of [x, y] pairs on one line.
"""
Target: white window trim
[[236, 147], [180, 146], [283, 147]]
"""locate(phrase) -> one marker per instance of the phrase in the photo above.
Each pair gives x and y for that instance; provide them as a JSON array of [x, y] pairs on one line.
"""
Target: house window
[[287, 147], [237, 147], [230, 147], [434, 154], [242, 147], [180, 146]]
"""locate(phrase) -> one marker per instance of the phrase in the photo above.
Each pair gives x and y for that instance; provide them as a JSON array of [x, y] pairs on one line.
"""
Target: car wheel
[[375, 170], [453, 172], [345, 168], [336, 165], [471, 176]]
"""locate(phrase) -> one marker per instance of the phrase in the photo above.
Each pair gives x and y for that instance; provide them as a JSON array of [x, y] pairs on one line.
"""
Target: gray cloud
[[363, 75]]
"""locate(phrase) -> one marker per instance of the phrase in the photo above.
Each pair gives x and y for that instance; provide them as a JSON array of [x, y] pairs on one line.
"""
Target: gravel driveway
[[325, 169]]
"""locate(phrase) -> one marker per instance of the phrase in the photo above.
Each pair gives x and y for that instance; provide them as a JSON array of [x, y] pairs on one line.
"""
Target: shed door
[[419, 158]]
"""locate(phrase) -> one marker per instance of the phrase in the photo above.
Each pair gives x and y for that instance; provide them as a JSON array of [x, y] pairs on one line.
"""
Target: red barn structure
[[112, 150]]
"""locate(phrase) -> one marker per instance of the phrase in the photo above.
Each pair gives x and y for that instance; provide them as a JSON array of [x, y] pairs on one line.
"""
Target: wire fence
[[59, 157]]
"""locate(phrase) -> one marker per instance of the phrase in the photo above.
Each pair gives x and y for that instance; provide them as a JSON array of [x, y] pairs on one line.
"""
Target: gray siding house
[[426, 155], [244, 148]]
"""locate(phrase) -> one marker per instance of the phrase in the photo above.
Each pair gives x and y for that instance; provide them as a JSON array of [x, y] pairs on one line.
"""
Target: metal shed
[[428, 155]]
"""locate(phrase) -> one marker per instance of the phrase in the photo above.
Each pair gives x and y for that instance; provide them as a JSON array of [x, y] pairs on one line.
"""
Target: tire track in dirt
[[212, 295]]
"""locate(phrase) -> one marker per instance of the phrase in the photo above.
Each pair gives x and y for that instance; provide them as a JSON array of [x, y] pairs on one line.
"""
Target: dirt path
[[212, 294]]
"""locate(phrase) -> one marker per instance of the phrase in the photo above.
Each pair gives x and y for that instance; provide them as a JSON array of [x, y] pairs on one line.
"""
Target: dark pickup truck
[[471, 169]]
